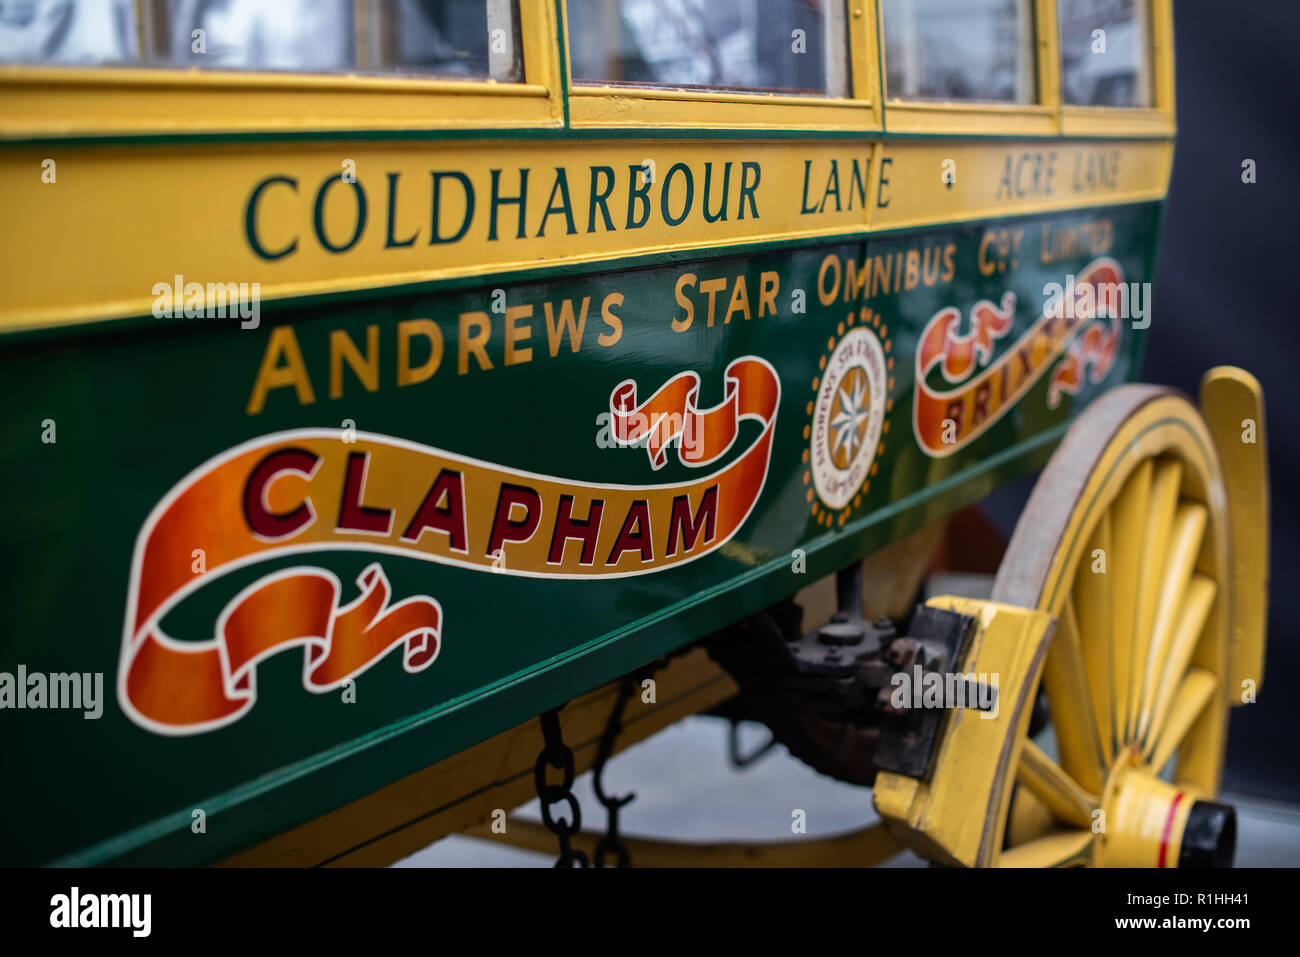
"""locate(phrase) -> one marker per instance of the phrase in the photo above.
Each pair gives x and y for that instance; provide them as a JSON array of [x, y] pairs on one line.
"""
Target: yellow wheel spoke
[[1184, 547], [1050, 784], [1061, 849], [1065, 679], [1029, 820], [1197, 602], [1128, 529], [1157, 545], [1091, 604], [1197, 689]]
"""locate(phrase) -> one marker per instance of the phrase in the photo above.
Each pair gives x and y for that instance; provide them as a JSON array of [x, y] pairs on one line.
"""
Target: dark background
[[1225, 293]]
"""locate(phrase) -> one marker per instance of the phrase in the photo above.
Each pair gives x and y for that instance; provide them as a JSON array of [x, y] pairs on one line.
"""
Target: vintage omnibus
[[408, 404]]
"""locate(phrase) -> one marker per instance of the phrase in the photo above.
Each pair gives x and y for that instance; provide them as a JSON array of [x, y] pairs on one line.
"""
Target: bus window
[[449, 38], [1105, 52], [470, 39], [302, 35], [786, 46], [979, 50], [68, 32]]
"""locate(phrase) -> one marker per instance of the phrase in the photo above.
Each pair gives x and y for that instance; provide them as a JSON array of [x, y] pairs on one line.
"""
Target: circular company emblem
[[848, 418]]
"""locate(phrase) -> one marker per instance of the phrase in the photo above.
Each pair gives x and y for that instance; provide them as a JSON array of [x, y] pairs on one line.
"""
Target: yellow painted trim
[[142, 27], [88, 102], [52, 101], [120, 250], [193, 78], [607, 107], [1162, 59], [1047, 48], [908, 116], [867, 77], [539, 31], [725, 98], [917, 197], [1109, 121]]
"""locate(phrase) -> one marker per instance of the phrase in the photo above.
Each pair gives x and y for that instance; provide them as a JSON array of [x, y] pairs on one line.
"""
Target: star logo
[[848, 417]]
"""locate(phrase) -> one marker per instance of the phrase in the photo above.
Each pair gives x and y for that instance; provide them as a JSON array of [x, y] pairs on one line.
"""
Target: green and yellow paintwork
[[139, 402]]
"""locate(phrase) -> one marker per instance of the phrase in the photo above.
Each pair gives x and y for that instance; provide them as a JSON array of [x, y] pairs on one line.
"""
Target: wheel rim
[[1124, 541]]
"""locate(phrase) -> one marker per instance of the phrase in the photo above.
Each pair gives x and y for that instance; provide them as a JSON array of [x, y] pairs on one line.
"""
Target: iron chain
[[611, 843], [560, 757]]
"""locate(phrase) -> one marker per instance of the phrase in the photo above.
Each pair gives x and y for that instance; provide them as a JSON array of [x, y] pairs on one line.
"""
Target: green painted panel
[[136, 408]]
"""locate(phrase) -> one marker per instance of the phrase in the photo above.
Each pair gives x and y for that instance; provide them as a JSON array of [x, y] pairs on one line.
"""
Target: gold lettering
[[405, 331], [272, 375], [475, 343], [365, 368], [514, 334]]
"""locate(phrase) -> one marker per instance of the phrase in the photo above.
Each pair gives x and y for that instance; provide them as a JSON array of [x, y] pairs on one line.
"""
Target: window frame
[[974, 117], [54, 101], [1154, 120], [612, 106]]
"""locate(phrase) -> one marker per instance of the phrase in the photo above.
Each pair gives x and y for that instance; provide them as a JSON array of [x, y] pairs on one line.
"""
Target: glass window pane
[[450, 38], [1105, 52], [473, 39], [960, 50], [302, 35], [67, 31], [791, 46]]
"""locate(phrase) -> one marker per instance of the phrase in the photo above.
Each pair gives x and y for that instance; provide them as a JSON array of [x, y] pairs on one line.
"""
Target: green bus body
[[139, 404]]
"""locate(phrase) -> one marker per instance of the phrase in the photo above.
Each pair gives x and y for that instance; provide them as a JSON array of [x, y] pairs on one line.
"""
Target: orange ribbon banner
[[315, 490], [188, 687], [945, 420]]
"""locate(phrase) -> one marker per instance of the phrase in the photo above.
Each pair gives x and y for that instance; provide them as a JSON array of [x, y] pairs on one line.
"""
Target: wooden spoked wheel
[[1125, 541]]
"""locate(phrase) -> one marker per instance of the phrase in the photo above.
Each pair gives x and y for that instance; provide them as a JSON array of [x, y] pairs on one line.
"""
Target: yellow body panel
[[254, 219], [1008, 178], [615, 107]]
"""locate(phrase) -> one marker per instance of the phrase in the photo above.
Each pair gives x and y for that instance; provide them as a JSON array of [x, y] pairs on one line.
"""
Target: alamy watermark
[[1120, 300], [637, 429], [215, 300], [35, 690], [920, 689], [75, 909]]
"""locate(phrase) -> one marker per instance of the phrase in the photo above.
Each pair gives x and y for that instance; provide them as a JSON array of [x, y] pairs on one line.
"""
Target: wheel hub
[[1148, 822]]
